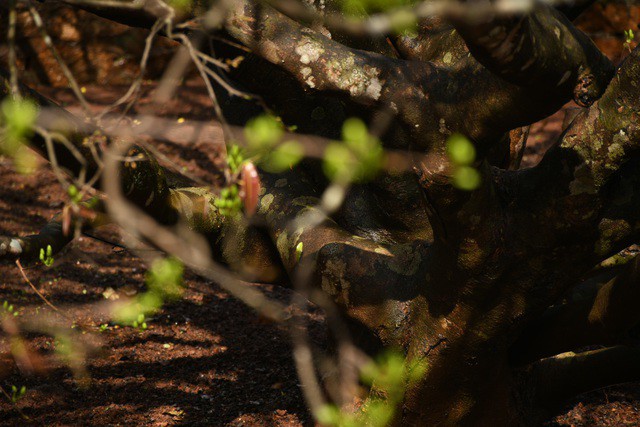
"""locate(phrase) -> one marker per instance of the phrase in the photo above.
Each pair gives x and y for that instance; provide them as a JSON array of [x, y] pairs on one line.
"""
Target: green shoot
[[628, 36], [229, 203], [47, 256], [17, 393]]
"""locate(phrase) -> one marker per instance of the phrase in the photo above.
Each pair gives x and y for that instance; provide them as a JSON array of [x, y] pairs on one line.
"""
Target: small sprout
[[140, 323], [17, 394], [104, 327], [229, 202], [10, 309], [299, 249], [74, 194], [629, 36], [235, 157], [235, 62], [47, 256]]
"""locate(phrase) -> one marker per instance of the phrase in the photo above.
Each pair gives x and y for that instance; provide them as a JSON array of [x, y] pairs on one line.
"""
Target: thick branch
[[541, 50], [603, 318], [557, 379], [585, 187], [316, 61]]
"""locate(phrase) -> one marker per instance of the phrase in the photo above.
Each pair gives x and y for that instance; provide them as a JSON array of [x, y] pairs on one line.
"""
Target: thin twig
[[134, 89], [37, 19], [11, 38], [53, 307]]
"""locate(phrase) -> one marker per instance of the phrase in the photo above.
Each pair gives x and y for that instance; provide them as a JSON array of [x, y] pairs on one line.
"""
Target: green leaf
[[362, 8], [379, 413], [284, 157], [235, 157], [18, 118], [262, 133], [165, 278], [328, 415], [74, 194], [404, 22], [466, 178], [181, 5], [338, 162], [354, 130], [299, 249], [358, 158], [19, 115], [460, 150]]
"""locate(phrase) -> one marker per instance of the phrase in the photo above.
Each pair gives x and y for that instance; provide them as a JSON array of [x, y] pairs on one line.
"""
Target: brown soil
[[204, 360]]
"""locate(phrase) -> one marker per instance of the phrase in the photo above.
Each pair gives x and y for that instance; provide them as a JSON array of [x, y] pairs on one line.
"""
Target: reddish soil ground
[[204, 360]]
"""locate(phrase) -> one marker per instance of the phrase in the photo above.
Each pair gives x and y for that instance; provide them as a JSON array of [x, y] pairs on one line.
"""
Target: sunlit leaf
[[466, 178], [19, 115], [262, 133], [460, 150], [283, 157], [358, 158]]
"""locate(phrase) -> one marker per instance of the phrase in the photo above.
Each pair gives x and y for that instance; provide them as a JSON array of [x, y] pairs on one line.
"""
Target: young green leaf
[[460, 150]]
